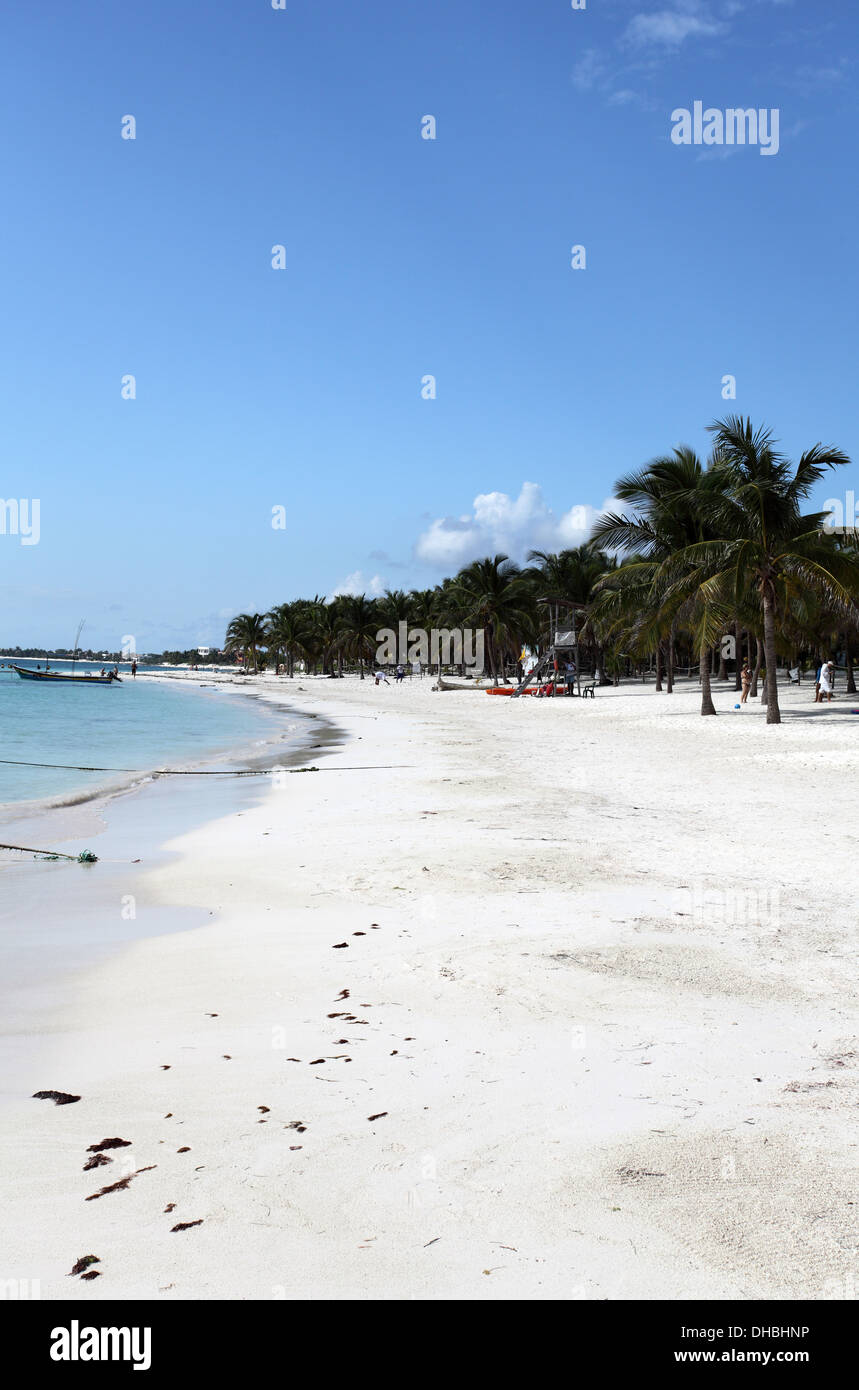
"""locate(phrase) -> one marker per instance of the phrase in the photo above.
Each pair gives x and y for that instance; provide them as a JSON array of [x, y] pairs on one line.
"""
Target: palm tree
[[423, 608], [491, 594], [359, 624], [246, 633], [326, 620], [287, 633], [394, 607], [760, 540], [572, 574], [672, 497], [569, 574]]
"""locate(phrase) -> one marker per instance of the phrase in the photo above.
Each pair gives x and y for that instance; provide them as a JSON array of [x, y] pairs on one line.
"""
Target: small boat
[[59, 678], [443, 683], [66, 678]]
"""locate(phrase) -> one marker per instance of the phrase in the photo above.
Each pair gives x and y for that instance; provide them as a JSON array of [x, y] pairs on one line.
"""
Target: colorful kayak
[[533, 690]]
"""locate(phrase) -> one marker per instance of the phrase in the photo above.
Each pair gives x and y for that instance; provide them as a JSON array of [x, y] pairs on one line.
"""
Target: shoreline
[[588, 1076], [89, 915], [131, 779]]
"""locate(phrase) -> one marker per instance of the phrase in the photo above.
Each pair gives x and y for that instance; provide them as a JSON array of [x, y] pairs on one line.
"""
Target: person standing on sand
[[746, 678], [134, 668], [827, 680]]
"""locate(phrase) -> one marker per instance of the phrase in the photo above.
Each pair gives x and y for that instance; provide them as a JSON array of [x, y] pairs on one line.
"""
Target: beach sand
[[511, 999]]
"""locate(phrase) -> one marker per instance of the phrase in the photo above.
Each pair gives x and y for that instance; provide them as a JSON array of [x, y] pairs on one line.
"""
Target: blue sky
[[301, 388]]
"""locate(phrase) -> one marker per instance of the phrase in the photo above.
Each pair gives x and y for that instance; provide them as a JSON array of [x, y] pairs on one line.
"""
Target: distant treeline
[[191, 657], [61, 654]]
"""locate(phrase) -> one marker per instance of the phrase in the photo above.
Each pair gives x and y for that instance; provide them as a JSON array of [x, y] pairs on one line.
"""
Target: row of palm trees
[[493, 595], [704, 549], [725, 546]]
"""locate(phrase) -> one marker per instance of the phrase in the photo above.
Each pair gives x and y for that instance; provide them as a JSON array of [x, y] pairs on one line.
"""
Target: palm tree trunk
[[669, 679], [759, 657], [773, 711], [659, 666], [851, 679], [738, 649], [723, 669], [493, 669], [707, 706], [603, 674]]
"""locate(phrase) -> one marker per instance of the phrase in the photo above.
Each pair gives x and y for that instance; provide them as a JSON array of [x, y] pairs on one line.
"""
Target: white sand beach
[[512, 999]]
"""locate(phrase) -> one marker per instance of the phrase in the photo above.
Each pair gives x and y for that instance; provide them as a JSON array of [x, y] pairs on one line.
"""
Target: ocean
[[138, 725]]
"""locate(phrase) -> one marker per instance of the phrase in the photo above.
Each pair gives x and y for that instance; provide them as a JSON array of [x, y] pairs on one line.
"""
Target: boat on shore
[[444, 683]]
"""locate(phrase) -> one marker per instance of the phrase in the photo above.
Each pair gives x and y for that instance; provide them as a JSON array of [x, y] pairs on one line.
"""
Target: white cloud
[[671, 27], [355, 584], [499, 524], [589, 70], [826, 75]]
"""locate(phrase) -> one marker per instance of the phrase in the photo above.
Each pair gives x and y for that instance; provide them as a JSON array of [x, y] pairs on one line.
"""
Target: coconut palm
[[571, 575], [326, 623], [359, 624], [760, 540], [491, 594], [287, 634], [246, 633], [672, 497], [394, 607]]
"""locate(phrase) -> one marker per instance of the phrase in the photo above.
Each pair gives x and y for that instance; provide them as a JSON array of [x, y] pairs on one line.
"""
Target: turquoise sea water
[[139, 724]]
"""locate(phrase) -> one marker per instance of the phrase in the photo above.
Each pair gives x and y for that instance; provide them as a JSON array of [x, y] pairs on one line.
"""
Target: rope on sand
[[85, 857]]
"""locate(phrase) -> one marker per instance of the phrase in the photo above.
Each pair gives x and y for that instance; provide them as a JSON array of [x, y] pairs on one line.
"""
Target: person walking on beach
[[400, 673], [827, 681], [746, 678], [134, 668]]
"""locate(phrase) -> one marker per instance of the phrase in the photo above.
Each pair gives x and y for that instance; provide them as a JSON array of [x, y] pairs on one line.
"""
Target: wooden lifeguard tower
[[562, 640]]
